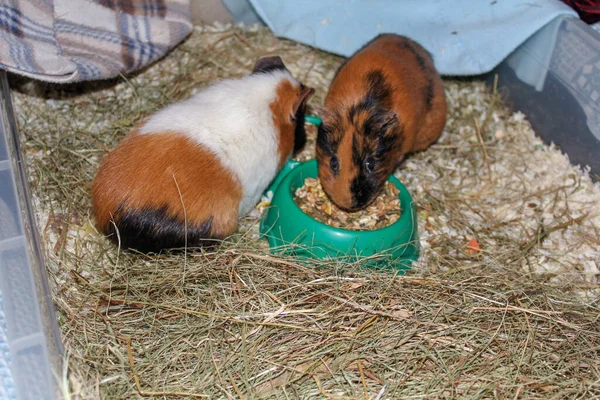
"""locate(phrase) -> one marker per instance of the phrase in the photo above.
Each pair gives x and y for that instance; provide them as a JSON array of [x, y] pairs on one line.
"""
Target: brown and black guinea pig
[[187, 173], [385, 101]]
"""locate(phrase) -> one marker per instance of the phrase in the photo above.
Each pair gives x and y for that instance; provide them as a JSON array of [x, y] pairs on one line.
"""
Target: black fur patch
[[425, 62], [429, 95], [384, 138], [422, 56], [329, 136], [387, 143], [365, 184], [418, 56], [153, 230], [378, 121], [379, 91], [363, 188], [378, 95], [299, 130]]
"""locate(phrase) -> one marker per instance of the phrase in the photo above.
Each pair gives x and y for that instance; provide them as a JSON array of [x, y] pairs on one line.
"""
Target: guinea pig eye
[[334, 164], [369, 164]]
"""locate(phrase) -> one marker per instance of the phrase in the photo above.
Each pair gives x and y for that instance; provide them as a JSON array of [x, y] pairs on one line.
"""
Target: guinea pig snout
[[352, 195], [335, 190], [363, 192]]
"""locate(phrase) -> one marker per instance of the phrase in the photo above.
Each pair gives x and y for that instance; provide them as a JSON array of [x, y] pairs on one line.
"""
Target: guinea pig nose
[[359, 202], [358, 205], [361, 196]]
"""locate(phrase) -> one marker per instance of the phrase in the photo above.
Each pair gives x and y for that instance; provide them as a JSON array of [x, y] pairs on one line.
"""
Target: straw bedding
[[514, 316]]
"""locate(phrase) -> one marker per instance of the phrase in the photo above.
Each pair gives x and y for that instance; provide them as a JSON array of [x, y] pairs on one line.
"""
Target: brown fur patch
[[150, 171], [281, 108], [336, 187]]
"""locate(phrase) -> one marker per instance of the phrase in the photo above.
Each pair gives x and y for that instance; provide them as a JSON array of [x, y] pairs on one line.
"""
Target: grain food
[[383, 211]]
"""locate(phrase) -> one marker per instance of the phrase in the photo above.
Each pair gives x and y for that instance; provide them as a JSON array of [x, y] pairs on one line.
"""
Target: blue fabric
[[242, 11], [465, 37]]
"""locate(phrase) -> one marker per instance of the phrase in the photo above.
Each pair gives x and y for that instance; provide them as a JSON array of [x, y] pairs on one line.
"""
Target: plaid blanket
[[73, 40]]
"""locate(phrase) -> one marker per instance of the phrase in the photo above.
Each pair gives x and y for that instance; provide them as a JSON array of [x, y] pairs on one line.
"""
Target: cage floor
[[516, 319]]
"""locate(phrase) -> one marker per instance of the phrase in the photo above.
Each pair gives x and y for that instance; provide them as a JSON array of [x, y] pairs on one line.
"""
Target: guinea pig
[[385, 101], [185, 175]]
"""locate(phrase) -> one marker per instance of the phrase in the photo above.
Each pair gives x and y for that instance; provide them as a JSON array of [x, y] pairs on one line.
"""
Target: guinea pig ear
[[302, 97], [268, 64]]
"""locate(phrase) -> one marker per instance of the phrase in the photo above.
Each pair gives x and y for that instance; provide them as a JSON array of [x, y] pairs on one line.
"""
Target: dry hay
[[517, 319]]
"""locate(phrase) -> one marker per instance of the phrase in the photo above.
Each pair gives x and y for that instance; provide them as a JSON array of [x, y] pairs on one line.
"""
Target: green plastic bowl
[[289, 230]]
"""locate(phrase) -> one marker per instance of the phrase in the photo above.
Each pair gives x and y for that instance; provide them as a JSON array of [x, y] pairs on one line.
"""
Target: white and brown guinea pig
[[188, 172], [385, 101]]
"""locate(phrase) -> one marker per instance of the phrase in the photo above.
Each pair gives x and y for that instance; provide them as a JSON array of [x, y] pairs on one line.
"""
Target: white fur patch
[[232, 118]]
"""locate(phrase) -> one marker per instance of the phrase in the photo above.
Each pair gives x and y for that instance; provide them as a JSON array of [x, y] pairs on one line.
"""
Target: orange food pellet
[[473, 247]]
